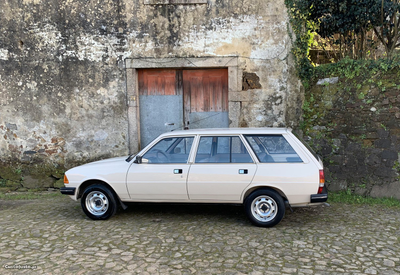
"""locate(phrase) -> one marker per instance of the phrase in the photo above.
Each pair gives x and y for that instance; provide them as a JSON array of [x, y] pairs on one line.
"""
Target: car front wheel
[[265, 207], [98, 202]]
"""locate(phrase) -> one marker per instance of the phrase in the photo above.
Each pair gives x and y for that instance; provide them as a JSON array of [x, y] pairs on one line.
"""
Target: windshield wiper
[[130, 157]]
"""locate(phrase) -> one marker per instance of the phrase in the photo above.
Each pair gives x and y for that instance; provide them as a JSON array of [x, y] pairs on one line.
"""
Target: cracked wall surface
[[63, 80]]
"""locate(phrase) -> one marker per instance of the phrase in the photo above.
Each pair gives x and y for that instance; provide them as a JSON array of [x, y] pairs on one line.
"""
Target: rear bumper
[[68, 191], [323, 197]]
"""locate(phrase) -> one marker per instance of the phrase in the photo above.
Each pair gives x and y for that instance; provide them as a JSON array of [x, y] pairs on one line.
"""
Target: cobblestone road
[[53, 236]]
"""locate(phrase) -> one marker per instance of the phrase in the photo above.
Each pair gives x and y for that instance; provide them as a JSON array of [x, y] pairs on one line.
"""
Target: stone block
[[13, 184], [373, 160], [337, 185], [389, 154], [361, 191], [382, 133], [382, 143], [332, 80], [385, 173], [390, 190], [32, 182], [372, 135]]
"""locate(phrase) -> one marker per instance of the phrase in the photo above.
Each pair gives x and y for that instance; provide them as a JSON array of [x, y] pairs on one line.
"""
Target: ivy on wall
[[301, 41]]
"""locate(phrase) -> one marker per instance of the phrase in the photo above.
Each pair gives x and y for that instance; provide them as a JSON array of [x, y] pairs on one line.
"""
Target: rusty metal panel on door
[[161, 103]]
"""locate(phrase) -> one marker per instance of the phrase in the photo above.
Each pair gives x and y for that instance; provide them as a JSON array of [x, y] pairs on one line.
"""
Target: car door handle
[[243, 171], [178, 171]]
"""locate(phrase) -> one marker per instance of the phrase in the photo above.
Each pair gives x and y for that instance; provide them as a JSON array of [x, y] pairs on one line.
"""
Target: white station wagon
[[265, 169]]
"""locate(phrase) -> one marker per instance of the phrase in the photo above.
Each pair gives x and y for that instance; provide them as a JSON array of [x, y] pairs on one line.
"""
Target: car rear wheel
[[98, 202], [265, 207]]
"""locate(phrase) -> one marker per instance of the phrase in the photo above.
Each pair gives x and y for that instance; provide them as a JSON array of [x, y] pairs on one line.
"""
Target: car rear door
[[221, 170]]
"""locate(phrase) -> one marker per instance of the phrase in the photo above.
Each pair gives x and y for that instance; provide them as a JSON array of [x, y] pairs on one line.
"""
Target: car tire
[[98, 202], [265, 207]]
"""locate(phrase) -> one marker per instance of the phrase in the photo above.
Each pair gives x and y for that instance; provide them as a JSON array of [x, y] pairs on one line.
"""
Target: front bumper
[[323, 197], [68, 191]]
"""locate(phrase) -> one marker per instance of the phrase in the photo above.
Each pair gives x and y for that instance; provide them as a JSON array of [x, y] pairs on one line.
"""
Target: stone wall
[[63, 80], [356, 128]]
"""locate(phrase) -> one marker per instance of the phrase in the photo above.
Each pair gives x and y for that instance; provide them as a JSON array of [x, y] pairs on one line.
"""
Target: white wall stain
[[3, 54], [245, 28]]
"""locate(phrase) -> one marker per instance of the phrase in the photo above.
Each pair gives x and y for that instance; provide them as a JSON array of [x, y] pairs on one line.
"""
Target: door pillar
[[133, 110]]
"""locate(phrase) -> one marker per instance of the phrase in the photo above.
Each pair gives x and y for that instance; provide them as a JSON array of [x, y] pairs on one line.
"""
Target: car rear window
[[224, 149], [316, 156], [272, 149]]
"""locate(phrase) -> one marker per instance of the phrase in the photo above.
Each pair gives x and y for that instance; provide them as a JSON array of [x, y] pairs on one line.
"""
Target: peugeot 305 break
[[264, 169]]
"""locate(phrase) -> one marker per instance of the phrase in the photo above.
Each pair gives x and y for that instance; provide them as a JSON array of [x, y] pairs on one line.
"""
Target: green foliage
[[366, 70], [348, 27], [3, 183], [303, 29], [350, 198]]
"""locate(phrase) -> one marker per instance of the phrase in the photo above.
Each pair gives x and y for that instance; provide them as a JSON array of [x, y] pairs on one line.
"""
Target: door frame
[[132, 87]]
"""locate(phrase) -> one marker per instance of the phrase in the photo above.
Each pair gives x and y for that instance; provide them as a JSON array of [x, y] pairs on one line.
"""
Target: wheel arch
[[88, 183], [255, 188]]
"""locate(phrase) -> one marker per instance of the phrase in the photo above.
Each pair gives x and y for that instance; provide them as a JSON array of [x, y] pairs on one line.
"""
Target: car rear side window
[[222, 150], [272, 149]]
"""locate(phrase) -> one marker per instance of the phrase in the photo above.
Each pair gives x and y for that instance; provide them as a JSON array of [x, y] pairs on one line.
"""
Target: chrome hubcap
[[96, 203], [264, 208]]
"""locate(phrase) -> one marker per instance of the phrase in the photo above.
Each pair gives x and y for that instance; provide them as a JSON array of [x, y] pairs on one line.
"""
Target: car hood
[[106, 161]]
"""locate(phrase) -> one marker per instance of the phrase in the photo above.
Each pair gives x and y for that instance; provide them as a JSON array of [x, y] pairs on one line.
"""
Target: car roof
[[229, 131]]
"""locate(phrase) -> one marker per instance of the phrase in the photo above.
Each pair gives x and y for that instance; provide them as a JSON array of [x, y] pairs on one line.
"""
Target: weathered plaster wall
[[63, 80]]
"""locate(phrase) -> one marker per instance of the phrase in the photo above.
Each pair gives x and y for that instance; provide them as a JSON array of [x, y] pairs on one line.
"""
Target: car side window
[[222, 150], [170, 150], [273, 148]]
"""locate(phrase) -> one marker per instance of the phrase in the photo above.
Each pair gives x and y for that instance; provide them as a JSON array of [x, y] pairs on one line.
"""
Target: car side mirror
[[138, 160]]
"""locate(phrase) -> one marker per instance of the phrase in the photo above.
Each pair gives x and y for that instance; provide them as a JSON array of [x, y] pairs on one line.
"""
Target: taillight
[[321, 181], [65, 180]]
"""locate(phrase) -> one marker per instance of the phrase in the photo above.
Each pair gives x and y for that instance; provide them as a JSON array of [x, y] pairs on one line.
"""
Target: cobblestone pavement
[[53, 236]]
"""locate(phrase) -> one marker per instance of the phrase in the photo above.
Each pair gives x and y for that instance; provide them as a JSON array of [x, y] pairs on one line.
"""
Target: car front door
[[162, 173], [222, 169]]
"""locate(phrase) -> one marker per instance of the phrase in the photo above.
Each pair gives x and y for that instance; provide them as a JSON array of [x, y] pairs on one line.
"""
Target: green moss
[[29, 176], [10, 172], [59, 183]]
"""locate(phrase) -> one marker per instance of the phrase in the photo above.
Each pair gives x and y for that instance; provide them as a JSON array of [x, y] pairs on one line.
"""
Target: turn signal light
[[65, 180], [321, 181]]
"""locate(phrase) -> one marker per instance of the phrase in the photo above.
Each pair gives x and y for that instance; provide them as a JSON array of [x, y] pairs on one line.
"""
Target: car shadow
[[163, 212]]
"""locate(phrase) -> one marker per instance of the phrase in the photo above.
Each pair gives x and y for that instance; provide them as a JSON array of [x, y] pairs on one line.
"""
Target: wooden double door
[[172, 99]]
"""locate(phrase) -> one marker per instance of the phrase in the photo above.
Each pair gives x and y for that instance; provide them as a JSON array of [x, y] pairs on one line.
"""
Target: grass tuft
[[28, 195], [348, 197]]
